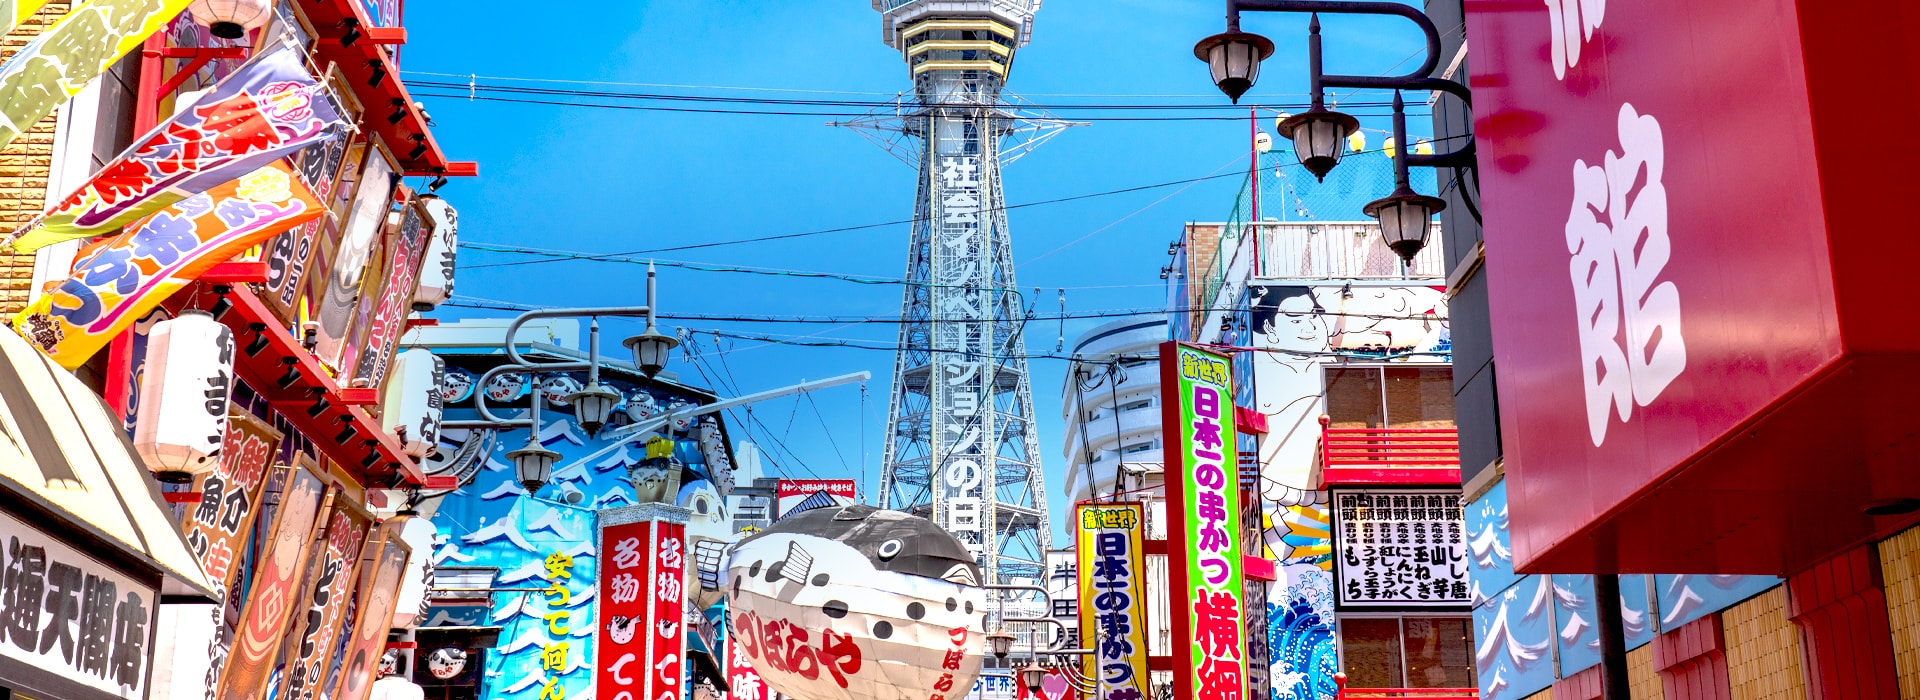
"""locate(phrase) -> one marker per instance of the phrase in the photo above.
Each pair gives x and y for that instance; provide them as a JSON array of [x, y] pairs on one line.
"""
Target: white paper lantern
[[884, 597], [436, 267], [410, 410], [396, 688], [182, 417], [231, 19], [412, 601]]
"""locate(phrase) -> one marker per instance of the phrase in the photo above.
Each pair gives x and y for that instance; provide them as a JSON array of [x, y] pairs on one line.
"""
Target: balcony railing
[[1409, 693], [1341, 250], [1376, 456]]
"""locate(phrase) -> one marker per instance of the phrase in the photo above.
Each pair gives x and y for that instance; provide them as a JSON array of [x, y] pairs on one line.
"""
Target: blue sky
[[613, 180]]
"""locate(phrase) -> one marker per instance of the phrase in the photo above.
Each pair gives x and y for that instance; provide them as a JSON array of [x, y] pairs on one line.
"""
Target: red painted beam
[[182, 496], [358, 65], [385, 36], [1404, 476], [284, 358], [359, 396], [462, 168], [235, 272], [1259, 569]]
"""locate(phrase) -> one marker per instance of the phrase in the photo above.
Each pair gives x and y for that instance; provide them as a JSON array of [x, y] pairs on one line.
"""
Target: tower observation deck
[[960, 443]]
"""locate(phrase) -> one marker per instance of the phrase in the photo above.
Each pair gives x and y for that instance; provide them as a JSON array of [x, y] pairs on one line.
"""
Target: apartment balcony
[[1341, 250], [1388, 456]]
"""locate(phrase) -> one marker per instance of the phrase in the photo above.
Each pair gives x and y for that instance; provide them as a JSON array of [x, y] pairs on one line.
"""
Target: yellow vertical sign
[[1111, 553]]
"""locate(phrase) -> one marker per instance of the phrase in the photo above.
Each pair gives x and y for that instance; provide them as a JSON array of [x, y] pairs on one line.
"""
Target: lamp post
[[1318, 134], [592, 404]]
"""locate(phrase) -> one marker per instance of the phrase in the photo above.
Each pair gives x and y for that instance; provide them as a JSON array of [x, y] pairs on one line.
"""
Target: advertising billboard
[[797, 495], [1203, 515], [1111, 549]]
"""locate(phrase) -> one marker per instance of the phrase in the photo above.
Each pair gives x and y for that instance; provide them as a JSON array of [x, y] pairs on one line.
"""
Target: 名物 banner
[[115, 284], [642, 642], [1111, 544], [269, 109], [1203, 512]]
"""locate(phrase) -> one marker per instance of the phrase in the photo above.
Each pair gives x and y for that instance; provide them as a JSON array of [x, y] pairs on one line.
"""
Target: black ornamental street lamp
[[1319, 134]]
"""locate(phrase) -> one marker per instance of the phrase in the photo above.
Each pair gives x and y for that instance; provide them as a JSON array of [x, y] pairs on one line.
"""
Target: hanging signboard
[[798, 495], [272, 597], [743, 682], [387, 294], [73, 619], [117, 283], [1204, 515], [379, 590], [62, 61], [270, 109], [329, 168], [337, 292], [1111, 548], [641, 642], [331, 578], [218, 528], [1399, 549]]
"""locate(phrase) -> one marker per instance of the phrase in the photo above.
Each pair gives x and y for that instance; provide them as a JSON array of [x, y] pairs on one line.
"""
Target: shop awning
[[62, 453]]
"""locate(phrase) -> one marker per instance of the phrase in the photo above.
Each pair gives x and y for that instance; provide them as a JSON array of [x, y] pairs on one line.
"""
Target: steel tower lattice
[[961, 447]]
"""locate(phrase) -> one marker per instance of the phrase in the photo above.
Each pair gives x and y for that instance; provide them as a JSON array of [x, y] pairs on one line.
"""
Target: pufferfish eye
[[890, 549]]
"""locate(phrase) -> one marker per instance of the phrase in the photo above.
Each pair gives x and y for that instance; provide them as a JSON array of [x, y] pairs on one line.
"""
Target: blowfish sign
[[1113, 615], [642, 637], [1205, 575]]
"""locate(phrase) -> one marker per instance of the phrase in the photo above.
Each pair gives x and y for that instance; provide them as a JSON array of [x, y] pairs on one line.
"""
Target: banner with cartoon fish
[[117, 283], [267, 110]]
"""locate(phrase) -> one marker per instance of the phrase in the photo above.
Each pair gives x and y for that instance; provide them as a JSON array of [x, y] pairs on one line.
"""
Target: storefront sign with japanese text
[[556, 656], [1111, 545], [62, 61], [795, 495], [66, 614], [379, 588], [387, 294], [742, 681], [219, 527], [1204, 515], [326, 603], [288, 254], [1399, 549], [268, 110], [334, 295], [642, 638], [273, 595], [117, 283]]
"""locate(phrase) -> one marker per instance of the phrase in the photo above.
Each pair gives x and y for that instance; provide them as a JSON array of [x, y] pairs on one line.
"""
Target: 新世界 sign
[[1203, 510], [1113, 613]]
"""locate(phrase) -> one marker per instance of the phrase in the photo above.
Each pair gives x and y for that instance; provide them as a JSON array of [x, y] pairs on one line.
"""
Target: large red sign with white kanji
[[642, 636], [1692, 318]]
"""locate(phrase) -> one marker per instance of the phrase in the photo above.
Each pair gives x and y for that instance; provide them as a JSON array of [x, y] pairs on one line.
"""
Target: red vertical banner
[[743, 682], [641, 645]]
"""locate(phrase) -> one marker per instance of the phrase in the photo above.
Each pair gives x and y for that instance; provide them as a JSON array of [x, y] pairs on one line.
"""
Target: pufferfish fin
[[960, 574], [799, 564]]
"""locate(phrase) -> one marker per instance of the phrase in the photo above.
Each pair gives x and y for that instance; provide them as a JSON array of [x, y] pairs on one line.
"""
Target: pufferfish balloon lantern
[[856, 603]]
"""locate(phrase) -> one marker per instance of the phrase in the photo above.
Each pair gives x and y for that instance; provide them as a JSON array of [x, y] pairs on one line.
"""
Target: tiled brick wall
[[1643, 682], [1900, 567], [23, 173], [1763, 649]]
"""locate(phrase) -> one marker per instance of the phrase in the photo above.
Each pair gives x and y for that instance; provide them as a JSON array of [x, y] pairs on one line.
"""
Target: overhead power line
[[474, 97]]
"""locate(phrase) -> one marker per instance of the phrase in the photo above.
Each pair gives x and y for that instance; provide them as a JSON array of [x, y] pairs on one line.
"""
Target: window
[[1137, 405], [1390, 397], [1137, 448], [1407, 652]]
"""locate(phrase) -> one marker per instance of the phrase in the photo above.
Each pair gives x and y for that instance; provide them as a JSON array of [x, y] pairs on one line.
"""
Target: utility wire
[[857, 320], [477, 88], [760, 239], [474, 77]]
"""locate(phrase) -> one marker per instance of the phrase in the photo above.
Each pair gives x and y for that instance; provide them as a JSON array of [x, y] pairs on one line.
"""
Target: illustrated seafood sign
[[332, 580], [1400, 549], [642, 637], [1113, 614], [1204, 512]]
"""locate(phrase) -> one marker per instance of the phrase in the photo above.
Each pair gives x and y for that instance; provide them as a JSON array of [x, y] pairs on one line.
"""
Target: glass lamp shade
[[533, 465], [1000, 643], [1234, 60], [230, 19], [650, 350], [182, 414], [1405, 218], [1319, 137], [592, 405], [1031, 676]]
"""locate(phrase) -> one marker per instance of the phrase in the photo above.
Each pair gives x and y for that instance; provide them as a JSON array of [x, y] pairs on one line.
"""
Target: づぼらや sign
[[1203, 509]]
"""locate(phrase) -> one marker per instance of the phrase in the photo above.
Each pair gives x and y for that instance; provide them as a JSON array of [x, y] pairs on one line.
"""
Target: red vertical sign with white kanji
[[743, 682], [642, 638]]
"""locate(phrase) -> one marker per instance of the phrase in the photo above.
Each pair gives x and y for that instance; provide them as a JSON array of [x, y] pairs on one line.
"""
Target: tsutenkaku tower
[[961, 447]]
